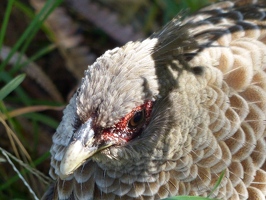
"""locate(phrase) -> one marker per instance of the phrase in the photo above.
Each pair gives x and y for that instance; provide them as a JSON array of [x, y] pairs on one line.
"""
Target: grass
[[11, 77]]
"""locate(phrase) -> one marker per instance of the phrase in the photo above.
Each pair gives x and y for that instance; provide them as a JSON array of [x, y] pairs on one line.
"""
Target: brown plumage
[[168, 115]]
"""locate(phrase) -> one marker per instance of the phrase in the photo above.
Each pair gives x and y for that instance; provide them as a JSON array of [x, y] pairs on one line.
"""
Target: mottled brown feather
[[207, 77]]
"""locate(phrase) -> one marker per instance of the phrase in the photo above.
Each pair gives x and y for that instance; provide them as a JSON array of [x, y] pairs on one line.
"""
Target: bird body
[[171, 114]]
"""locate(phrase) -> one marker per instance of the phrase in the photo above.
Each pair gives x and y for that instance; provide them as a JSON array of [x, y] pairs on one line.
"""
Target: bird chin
[[114, 157]]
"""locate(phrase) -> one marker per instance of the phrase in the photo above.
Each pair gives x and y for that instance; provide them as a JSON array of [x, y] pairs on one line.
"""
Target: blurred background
[[45, 46]]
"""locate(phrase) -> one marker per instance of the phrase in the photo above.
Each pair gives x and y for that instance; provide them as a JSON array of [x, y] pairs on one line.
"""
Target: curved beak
[[80, 149]]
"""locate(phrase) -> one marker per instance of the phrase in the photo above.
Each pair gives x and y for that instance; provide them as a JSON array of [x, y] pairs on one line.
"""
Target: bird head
[[122, 112], [113, 106]]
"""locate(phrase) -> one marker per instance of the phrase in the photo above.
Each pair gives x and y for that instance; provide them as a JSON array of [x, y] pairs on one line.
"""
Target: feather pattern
[[206, 76]]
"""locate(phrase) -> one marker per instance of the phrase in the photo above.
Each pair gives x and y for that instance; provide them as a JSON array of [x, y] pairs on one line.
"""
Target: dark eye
[[137, 119]]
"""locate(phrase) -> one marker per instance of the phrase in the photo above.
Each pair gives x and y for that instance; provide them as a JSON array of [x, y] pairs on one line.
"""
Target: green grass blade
[[39, 54], [6, 77], [32, 28], [30, 13], [5, 22], [50, 8], [24, 8], [12, 85], [42, 118], [218, 182], [36, 56]]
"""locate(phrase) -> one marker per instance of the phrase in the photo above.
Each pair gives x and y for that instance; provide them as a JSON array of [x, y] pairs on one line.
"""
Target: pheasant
[[169, 115]]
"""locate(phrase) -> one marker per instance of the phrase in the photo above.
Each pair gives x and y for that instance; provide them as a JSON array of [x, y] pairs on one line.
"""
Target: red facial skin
[[121, 132]]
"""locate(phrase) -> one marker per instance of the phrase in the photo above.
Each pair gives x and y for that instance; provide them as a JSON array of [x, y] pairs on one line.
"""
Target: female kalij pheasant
[[168, 115]]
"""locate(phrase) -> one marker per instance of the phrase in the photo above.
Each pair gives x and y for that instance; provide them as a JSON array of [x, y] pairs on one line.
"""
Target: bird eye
[[137, 119]]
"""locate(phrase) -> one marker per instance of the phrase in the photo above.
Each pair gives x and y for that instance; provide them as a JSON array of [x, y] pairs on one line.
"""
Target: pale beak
[[80, 149]]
